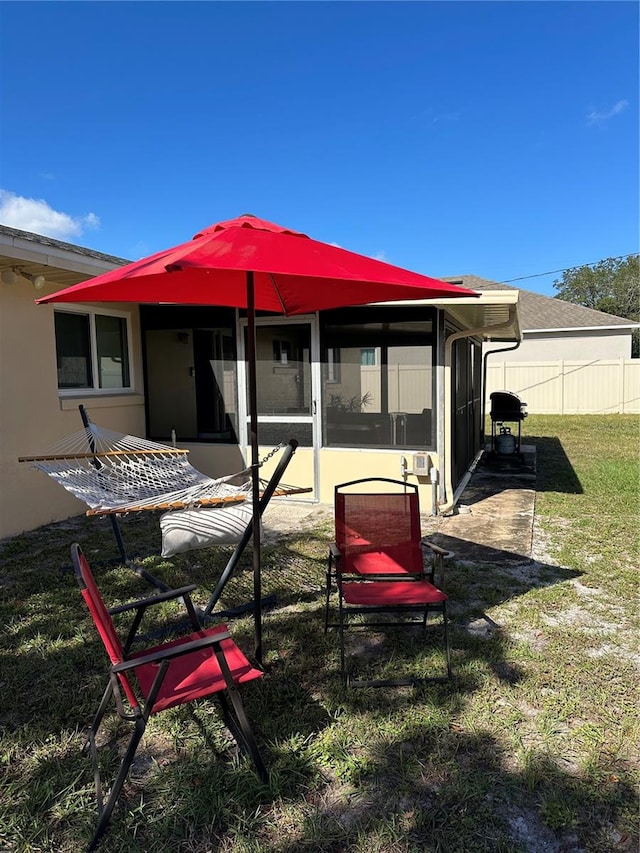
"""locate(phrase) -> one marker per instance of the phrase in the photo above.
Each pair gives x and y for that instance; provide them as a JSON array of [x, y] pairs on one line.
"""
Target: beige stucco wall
[[341, 465], [545, 346], [33, 416]]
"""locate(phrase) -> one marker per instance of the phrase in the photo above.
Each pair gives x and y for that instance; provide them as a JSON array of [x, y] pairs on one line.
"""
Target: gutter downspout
[[448, 348], [484, 380]]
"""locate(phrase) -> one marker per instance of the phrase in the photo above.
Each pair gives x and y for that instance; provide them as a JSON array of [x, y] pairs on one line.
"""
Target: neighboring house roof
[[548, 313]]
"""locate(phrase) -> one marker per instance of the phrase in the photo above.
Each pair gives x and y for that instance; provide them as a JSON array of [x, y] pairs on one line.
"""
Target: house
[[551, 325], [36, 410], [571, 359], [392, 390]]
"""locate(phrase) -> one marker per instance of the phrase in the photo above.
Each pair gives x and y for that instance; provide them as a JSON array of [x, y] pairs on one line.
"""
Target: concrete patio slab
[[493, 520]]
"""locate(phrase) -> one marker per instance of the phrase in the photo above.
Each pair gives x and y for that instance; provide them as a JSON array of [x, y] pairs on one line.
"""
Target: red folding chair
[[201, 664], [382, 566]]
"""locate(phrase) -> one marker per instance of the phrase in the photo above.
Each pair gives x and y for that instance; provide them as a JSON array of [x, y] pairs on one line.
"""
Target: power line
[[566, 269]]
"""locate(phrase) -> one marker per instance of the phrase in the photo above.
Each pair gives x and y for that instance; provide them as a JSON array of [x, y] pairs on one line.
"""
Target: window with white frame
[[92, 350]]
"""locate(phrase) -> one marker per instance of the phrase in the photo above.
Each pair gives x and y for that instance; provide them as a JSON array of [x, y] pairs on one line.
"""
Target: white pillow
[[188, 529]]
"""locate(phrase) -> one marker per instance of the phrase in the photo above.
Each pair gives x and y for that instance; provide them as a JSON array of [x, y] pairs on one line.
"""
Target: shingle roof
[[41, 240], [546, 312]]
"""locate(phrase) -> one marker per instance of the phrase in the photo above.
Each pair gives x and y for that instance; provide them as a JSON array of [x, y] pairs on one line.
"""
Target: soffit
[[53, 275], [60, 263], [494, 314]]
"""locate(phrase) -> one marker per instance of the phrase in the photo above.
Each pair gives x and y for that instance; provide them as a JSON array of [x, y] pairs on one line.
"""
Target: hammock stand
[[128, 457], [115, 523], [269, 491], [266, 496]]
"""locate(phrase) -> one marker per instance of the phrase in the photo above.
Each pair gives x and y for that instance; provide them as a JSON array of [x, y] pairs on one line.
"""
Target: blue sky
[[493, 138]]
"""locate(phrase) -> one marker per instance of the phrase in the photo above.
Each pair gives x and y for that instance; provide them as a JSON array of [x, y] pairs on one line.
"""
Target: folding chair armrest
[[441, 552], [334, 552], [169, 595], [172, 652], [439, 555]]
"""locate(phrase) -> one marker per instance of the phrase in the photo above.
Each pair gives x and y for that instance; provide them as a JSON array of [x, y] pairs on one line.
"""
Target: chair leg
[[445, 622], [105, 813], [446, 637], [90, 744], [239, 726], [327, 596], [102, 707], [348, 681], [341, 616]]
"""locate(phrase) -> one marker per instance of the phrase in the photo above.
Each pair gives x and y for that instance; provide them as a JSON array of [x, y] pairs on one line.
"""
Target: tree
[[612, 286]]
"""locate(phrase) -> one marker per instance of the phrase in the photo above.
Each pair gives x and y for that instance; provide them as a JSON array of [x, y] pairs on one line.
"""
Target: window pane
[[214, 354], [283, 369], [113, 359], [73, 350], [385, 394], [191, 373]]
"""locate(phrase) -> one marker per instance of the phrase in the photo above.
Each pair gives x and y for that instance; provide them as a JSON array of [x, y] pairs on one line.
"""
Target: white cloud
[[600, 116], [31, 214], [379, 256], [446, 117], [140, 250], [430, 116]]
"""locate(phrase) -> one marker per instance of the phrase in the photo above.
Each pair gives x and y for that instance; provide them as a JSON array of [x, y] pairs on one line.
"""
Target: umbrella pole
[[255, 464]]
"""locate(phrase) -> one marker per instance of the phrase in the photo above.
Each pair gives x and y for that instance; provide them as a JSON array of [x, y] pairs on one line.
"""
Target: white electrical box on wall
[[421, 464]]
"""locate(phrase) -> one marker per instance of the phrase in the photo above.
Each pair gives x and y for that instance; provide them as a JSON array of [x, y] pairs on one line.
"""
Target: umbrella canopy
[[293, 274], [253, 264]]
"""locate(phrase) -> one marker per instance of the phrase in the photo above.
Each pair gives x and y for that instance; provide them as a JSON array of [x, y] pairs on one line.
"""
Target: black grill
[[505, 408]]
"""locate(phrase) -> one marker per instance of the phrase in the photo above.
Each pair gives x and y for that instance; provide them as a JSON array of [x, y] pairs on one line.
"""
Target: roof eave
[[494, 313], [24, 246], [613, 328]]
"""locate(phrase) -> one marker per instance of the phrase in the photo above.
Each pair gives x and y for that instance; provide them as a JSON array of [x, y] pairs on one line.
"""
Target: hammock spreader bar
[[221, 501]]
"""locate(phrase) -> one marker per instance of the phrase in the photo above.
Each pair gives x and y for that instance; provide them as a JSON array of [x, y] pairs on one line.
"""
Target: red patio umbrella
[[253, 264]]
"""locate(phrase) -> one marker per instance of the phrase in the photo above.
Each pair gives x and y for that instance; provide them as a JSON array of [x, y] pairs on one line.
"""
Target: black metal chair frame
[[432, 554], [231, 706]]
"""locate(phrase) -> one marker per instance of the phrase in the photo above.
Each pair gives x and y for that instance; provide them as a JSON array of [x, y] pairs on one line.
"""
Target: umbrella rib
[[277, 291]]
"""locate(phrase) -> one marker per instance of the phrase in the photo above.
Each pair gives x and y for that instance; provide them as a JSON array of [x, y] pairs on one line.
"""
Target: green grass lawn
[[533, 746]]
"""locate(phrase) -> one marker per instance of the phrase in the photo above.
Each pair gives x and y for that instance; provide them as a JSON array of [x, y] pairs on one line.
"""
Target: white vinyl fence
[[569, 387], [408, 387]]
